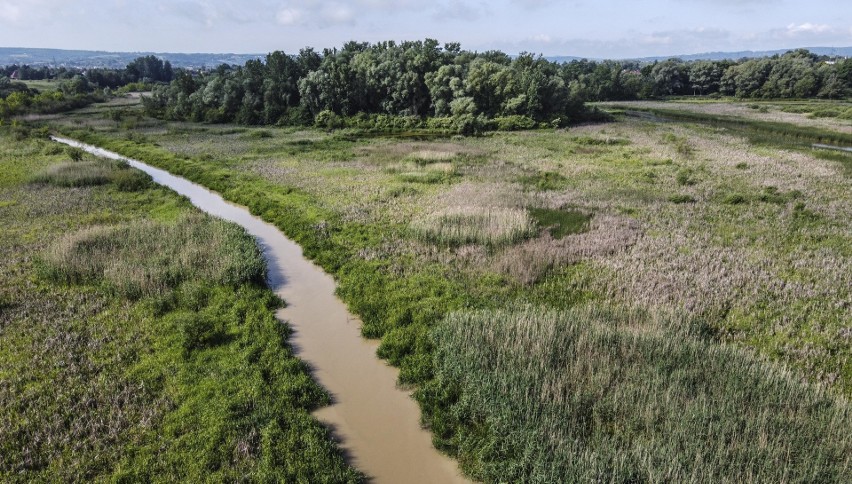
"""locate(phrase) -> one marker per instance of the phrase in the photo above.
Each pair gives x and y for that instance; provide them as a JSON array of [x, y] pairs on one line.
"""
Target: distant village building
[[15, 76]]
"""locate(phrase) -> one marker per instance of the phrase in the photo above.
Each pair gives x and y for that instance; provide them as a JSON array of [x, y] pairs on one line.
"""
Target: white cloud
[[9, 12], [459, 10], [533, 4], [337, 13], [808, 27], [289, 16]]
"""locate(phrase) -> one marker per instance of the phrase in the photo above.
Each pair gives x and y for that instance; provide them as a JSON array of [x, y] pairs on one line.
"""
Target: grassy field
[[138, 340], [710, 261], [43, 86]]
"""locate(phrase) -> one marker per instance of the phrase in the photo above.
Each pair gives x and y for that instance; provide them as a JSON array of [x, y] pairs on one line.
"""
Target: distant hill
[[831, 51], [748, 54], [93, 58]]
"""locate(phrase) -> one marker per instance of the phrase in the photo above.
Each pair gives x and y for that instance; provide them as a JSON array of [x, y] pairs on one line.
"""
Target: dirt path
[[376, 423]]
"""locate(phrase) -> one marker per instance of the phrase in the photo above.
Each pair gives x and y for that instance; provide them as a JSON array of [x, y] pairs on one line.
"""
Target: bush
[[685, 177], [827, 113], [514, 123], [92, 173], [328, 120], [131, 180], [561, 222], [76, 154], [544, 181]]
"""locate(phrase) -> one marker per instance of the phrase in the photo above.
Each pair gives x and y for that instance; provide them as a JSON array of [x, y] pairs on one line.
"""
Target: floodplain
[[644, 299]]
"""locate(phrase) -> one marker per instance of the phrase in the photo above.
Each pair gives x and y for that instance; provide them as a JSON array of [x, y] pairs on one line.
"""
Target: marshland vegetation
[[138, 340], [635, 300], [663, 297]]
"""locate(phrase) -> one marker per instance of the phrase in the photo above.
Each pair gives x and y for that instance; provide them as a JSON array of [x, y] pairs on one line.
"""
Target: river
[[376, 424]]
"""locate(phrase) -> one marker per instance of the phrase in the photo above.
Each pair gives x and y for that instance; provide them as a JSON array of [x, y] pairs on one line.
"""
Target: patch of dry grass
[[471, 224], [529, 261], [148, 258]]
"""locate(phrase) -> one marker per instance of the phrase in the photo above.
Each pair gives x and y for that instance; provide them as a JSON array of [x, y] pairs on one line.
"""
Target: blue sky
[[604, 28]]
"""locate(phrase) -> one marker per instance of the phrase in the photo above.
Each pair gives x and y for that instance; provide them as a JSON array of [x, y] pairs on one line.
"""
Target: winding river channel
[[376, 423]]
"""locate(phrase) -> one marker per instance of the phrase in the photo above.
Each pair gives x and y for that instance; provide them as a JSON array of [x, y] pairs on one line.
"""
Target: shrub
[[83, 174], [827, 113], [514, 123], [328, 120], [76, 154], [131, 180], [588, 140], [773, 195], [198, 330], [685, 177]]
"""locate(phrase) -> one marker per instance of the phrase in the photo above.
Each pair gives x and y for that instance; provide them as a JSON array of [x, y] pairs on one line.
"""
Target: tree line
[[146, 69], [413, 80], [424, 80], [74, 88], [421, 83], [795, 74]]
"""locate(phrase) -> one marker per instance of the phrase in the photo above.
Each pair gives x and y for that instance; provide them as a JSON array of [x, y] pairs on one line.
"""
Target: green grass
[[143, 346], [43, 86], [682, 199], [561, 222], [544, 181], [589, 395]]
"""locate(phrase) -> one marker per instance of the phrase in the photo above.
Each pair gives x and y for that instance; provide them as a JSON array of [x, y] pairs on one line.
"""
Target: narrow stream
[[377, 424]]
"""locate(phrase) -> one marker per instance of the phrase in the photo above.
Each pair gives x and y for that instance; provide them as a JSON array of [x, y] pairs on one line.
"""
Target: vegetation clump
[[561, 222], [92, 173], [81, 174], [544, 180], [149, 258], [531, 394], [480, 225]]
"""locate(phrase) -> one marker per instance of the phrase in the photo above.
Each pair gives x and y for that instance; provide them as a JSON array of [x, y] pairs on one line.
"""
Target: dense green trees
[[387, 81], [149, 68], [411, 80], [389, 85], [796, 74]]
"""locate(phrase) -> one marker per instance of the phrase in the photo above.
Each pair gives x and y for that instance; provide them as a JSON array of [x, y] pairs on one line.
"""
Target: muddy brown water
[[376, 424]]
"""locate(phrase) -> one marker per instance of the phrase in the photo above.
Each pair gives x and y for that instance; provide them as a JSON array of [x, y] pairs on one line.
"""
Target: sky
[[593, 29]]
